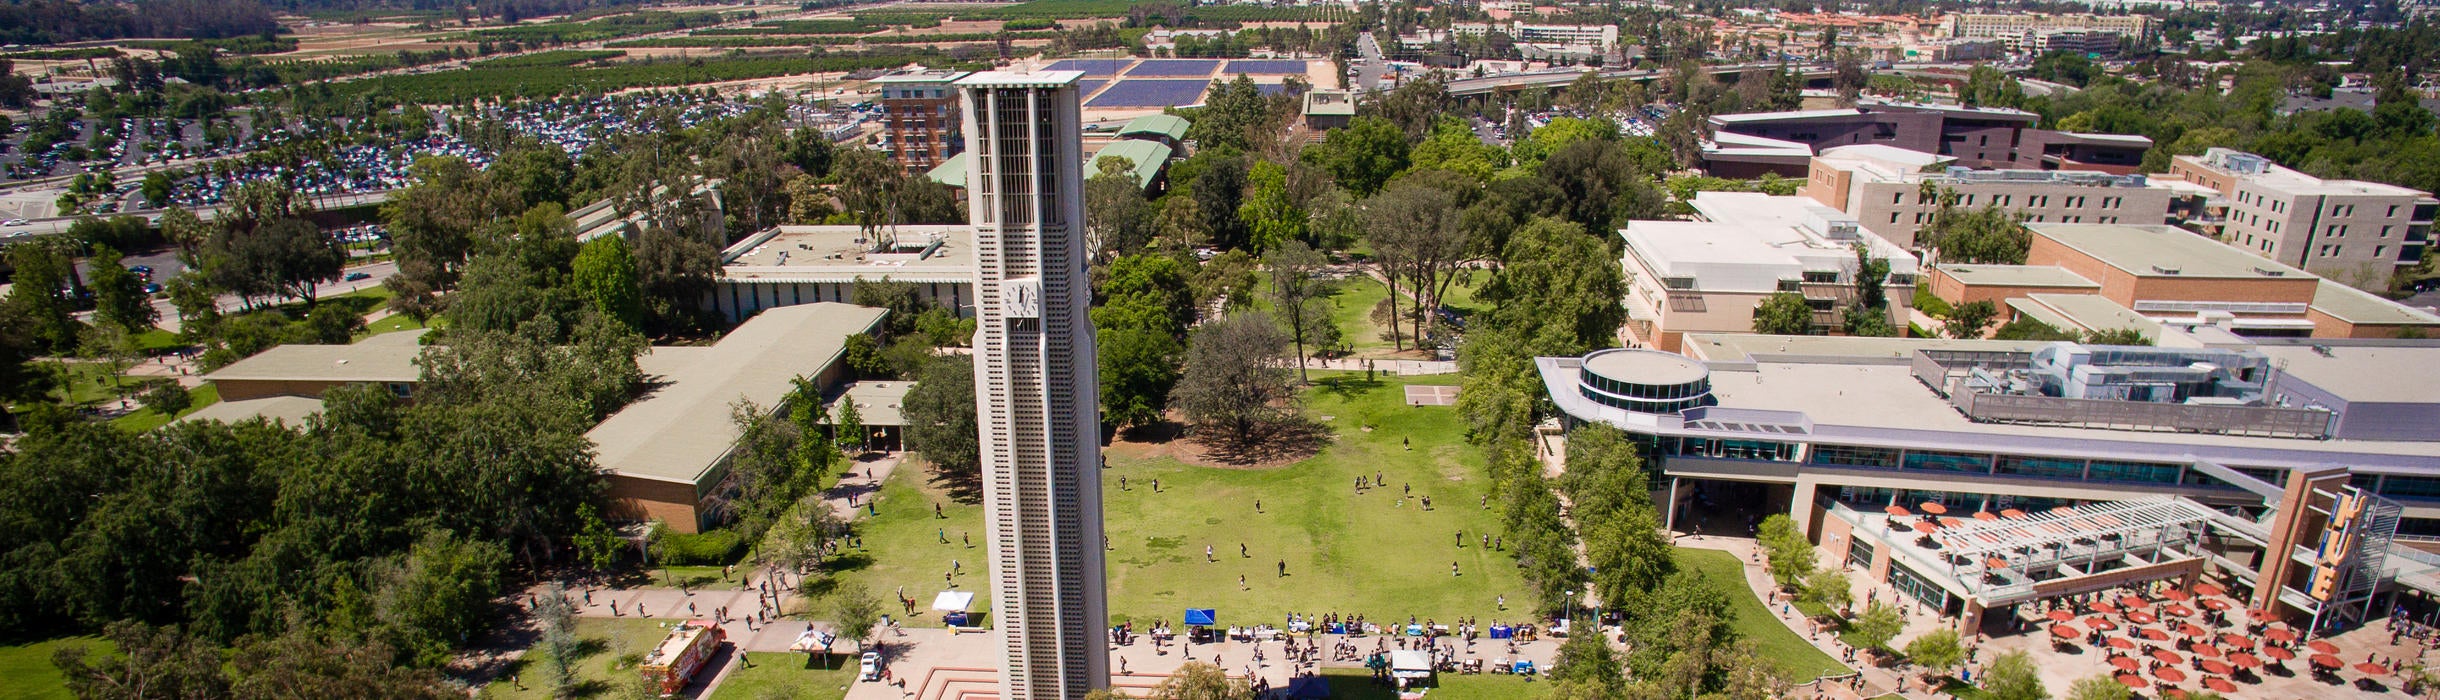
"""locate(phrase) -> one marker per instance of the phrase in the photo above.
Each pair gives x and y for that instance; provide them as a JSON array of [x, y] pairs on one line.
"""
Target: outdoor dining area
[[1999, 556], [2173, 641]]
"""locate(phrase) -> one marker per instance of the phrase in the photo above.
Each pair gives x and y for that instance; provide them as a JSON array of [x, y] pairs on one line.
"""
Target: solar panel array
[[1174, 68], [1091, 66], [1086, 86], [1265, 67], [1150, 93]]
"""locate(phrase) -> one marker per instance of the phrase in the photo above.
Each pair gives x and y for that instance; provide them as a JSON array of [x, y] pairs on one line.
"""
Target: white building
[[2352, 231], [791, 265], [1036, 387], [1884, 188], [1708, 275]]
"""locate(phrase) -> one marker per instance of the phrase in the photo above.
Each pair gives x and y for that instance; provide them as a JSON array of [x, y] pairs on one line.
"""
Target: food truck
[[681, 654]]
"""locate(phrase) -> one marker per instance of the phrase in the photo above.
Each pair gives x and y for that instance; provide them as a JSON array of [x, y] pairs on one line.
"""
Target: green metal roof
[[951, 172], [1168, 125], [1149, 158]]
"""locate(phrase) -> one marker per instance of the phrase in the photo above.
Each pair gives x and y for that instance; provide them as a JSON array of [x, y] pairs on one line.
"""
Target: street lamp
[[1570, 608]]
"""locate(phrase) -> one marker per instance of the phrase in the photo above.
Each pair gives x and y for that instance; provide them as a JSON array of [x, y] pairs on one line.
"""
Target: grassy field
[[144, 419], [1754, 621], [788, 675], [608, 650], [27, 671], [397, 322], [1374, 553], [1358, 295], [1356, 684], [1378, 553]]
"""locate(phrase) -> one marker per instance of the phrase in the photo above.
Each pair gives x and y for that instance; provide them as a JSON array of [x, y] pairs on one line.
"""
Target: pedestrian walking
[[1283, 567], [1207, 555]]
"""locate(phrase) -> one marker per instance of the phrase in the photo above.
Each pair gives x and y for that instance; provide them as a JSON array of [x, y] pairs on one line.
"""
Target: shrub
[[699, 549]]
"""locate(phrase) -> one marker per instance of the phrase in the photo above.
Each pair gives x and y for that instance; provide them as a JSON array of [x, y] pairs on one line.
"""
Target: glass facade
[[1845, 456], [1643, 398], [2046, 467], [1859, 553], [1947, 461], [2410, 487], [1915, 586], [1762, 450], [2137, 472]]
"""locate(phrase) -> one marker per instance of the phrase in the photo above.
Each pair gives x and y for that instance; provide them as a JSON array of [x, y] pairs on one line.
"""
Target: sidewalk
[[1878, 682]]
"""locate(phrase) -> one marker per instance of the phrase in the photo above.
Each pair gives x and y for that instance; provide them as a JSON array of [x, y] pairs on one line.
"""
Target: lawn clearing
[[607, 651], [27, 669], [1754, 621], [144, 419], [902, 547], [1378, 553], [788, 675]]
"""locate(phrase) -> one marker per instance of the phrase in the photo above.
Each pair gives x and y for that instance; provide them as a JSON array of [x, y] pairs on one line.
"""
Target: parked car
[[870, 668], [353, 276]]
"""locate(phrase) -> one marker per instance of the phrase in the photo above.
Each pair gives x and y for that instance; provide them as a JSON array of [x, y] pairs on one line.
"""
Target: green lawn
[[394, 323], [1345, 553], [1356, 684], [144, 419], [1754, 621], [1357, 295], [26, 670], [608, 650], [788, 675]]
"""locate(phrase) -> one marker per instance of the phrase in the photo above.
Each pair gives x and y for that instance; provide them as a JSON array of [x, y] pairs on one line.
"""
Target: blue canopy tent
[[1202, 616]]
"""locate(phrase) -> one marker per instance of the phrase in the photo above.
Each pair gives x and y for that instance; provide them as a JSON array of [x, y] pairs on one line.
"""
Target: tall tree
[[940, 417], [1783, 313], [2012, 675], [40, 297], [1236, 384], [118, 295], [1120, 220], [1363, 155], [1411, 226], [1970, 319], [1868, 313], [1558, 287], [432, 227], [604, 274], [1300, 297], [1269, 214]]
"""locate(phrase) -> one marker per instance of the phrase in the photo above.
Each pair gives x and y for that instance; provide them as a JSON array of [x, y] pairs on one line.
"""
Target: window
[[2393, 211], [1897, 198], [2111, 202], [1946, 461], [2410, 486], [2139, 472], [1844, 456], [1893, 217], [2378, 249], [2385, 230], [1999, 200], [2042, 466], [1821, 276], [1790, 286]]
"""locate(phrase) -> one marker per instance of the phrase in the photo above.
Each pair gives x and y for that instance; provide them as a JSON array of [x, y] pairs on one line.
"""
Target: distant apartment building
[[2023, 27], [919, 113], [1708, 275], [2354, 231], [1977, 137], [1602, 37], [1895, 192], [2094, 277]]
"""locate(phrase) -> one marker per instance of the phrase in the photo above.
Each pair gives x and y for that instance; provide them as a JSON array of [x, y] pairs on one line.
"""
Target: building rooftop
[[2361, 372], [1149, 158], [1646, 367], [389, 357], [1015, 79], [2363, 308], [1748, 347], [2162, 251], [877, 403], [1750, 241], [1329, 103], [1868, 104], [1167, 125], [289, 410], [923, 254], [680, 430], [925, 75], [2262, 171], [2017, 276], [951, 172], [2083, 312], [1889, 157], [1731, 145], [1759, 117]]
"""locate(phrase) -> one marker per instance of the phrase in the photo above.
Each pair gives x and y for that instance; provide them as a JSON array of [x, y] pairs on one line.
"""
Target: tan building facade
[[2353, 231], [1896, 192], [1708, 275]]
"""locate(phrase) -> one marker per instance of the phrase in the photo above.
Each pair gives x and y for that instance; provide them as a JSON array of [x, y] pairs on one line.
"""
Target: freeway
[[59, 224], [1560, 77]]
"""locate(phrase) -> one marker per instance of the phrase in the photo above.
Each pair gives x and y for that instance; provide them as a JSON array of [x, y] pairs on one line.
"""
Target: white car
[[13, 222], [870, 668]]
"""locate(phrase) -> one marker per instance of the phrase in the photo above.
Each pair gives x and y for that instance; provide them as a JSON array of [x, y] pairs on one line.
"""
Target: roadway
[[1560, 77]]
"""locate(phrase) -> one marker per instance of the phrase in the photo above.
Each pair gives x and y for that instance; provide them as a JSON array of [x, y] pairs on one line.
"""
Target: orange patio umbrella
[[2278, 653], [2141, 618], [2219, 685], [1951, 522], [2177, 594], [2279, 635], [2215, 604], [2153, 634], [2170, 674], [2176, 610], [2122, 643], [1933, 507], [2100, 623], [2204, 650], [2063, 510], [2208, 589], [2134, 603], [2174, 693], [2124, 663], [2103, 608], [2167, 657], [1985, 515], [1926, 526], [2214, 666], [2327, 661], [2322, 645], [2012, 513], [2190, 630], [2064, 632], [2061, 616], [2238, 641], [2132, 681], [2244, 660], [2371, 669], [1897, 510]]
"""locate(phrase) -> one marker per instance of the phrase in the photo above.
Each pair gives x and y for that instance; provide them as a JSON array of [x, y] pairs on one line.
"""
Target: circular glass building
[[1644, 381]]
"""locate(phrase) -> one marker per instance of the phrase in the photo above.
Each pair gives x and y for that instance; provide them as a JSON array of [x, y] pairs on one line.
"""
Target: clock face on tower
[[1022, 297]]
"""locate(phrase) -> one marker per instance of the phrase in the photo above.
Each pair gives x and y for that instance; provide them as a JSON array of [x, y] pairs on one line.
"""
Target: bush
[[699, 549], [165, 396]]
